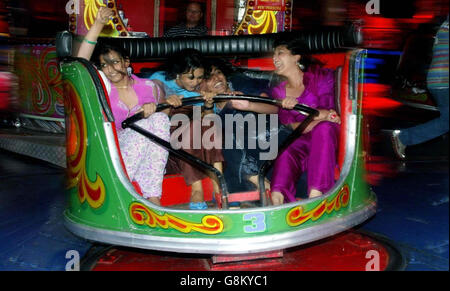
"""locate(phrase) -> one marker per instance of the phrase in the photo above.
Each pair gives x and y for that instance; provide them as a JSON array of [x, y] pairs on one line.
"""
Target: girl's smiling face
[[114, 66], [191, 80], [216, 83], [284, 60]]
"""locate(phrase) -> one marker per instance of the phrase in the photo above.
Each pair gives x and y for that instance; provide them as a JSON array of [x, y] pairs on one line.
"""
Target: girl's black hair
[[224, 66], [297, 46], [184, 61], [103, 48]]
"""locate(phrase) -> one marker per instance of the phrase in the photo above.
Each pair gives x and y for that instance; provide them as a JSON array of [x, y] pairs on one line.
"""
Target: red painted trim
[[243, 196]]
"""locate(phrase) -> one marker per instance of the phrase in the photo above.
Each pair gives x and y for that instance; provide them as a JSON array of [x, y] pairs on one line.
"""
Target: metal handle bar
[[303, 109]]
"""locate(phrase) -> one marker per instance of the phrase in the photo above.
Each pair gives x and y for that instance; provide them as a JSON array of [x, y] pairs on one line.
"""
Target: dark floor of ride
[[412, 211]]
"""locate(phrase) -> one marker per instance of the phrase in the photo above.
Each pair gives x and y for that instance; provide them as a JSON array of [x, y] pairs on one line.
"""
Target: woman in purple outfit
[[316, 149]]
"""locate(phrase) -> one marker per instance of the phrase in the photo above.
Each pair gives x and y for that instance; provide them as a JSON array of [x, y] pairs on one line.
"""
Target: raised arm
[[90, 40]]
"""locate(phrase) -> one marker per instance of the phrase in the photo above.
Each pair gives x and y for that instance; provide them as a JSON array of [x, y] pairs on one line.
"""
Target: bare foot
[[277, 198], [154, 200], [314, 193], [197, 192]]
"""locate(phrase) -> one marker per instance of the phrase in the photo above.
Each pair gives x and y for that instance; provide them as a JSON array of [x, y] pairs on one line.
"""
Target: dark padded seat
[[144, 49], [320, 40]]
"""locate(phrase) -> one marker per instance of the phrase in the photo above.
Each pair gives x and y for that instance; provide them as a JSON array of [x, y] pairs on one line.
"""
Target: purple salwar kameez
[[315, 151]]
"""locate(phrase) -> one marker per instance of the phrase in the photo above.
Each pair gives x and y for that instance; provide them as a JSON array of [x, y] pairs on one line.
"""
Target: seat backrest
[[63, 44], [320, 39]]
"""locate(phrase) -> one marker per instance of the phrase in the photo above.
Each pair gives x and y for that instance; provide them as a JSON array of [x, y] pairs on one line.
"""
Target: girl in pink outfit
[[144, 160]]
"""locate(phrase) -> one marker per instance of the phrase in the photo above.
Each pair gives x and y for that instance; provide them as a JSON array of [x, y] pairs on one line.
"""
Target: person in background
[[144, 160], [193, 26], [437, 83]]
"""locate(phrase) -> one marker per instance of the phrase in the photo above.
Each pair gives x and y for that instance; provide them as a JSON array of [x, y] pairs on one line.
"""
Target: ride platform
[[349, 251], [412, 214]]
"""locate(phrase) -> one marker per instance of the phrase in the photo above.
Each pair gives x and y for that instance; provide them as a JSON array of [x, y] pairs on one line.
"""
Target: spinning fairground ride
[[104, 206]]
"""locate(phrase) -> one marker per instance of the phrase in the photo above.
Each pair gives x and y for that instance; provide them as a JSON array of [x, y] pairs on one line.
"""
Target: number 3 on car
[[257, 220]]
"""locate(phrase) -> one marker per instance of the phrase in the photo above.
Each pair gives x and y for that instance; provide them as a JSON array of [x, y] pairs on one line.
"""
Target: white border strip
[[42, 117]]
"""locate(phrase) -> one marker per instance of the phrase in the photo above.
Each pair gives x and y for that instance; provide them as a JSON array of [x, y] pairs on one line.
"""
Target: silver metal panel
[[50, 148], [211, 245]]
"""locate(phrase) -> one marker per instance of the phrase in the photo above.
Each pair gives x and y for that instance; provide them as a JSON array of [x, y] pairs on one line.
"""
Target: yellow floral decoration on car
[[296, 216], [142, 215]]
